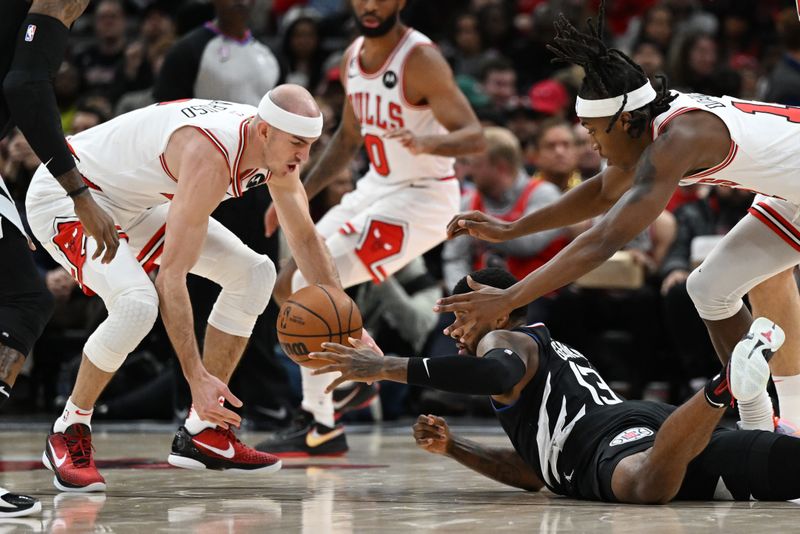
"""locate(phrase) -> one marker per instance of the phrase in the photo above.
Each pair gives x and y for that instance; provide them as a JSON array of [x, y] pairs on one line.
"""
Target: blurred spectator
[[503, 189], [219, 60], [712, 215], [67, 86], [301, 52], [465, 50], [555, 155], [19, 166], [499, 83], [783, 83], [156, 53], [656, 27], [695, 67], [101, 61], [86, 116], [589, 160], [650, 57], [495, 22]]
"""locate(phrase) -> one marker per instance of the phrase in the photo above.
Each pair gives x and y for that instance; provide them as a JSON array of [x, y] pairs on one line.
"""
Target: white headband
[[291, 123], [608, 107]]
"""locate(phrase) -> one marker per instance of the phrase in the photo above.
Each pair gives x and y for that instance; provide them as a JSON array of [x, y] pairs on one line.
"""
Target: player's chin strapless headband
[[291, 123], [608, 107]]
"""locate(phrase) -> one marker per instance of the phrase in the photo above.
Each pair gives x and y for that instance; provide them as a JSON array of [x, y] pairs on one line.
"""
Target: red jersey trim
[[162, 158], [235, 182], [403, 78], [386, 62], [776, 223], [713, 170]]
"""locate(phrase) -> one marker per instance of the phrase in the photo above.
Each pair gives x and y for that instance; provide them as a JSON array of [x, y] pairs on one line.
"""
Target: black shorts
[[12, 15], [25, 302], [627, 428]]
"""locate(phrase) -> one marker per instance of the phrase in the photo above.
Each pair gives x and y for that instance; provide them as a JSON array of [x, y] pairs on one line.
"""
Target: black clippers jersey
[[560, 417]]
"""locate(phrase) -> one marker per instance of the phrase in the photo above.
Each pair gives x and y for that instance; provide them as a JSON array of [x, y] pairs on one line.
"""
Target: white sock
[[194, 424], [756, 414], [315, 400], [788, 388], [73, 415]]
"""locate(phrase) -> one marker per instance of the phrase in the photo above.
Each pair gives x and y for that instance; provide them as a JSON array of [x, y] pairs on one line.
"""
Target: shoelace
[[80, 448]]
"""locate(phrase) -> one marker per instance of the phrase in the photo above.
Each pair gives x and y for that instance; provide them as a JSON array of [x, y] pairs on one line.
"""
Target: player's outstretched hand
[[207, 392], [475, 311], [271, 222], [432, 434], [99, 225], [360, 362], [479, 225], [414, 144]]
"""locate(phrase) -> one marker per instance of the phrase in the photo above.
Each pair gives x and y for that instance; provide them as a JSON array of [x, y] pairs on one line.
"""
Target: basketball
[[315, 315]]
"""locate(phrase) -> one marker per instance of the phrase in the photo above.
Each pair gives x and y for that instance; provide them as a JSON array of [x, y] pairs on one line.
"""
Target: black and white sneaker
[[355, 396], [306, 437], [15, 505], [748, 368]]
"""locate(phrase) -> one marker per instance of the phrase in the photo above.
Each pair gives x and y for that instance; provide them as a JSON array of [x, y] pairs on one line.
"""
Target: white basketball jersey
[[380, 107], [123, 159], [763, 156]]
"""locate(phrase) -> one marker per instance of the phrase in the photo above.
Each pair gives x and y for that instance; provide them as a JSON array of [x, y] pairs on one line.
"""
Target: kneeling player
[[573, 434]]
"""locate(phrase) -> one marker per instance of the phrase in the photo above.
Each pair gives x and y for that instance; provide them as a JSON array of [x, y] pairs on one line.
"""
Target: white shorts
[[377, 230], [53, 221], [763, 243]]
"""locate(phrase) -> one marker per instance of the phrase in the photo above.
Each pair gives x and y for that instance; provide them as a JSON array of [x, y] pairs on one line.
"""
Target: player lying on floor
[[573, 434]]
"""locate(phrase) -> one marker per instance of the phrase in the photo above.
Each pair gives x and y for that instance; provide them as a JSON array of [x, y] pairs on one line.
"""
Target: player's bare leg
[[656, 475], [779, 299], [11, 362], [222, 352]]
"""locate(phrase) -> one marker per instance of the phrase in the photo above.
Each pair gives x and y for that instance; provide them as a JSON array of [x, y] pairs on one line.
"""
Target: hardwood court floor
[[385, 484]]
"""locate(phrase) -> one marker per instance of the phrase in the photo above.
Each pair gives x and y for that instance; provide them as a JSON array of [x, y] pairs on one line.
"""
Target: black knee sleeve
[[25, 302], [28, 88], [755, 463]]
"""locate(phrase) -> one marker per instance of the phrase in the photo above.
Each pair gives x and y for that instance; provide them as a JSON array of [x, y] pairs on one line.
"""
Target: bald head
[[295, 99], [292, 109]]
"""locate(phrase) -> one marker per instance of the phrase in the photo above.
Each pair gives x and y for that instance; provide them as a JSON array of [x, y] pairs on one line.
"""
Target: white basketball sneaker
[[748, 369]]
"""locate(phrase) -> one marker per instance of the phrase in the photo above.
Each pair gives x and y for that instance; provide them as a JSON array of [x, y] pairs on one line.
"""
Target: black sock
[[718, 395], [5, 392], [39, 51]]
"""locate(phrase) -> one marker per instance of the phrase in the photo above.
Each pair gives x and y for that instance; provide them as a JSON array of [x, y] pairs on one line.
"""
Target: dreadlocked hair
[[609, 72]]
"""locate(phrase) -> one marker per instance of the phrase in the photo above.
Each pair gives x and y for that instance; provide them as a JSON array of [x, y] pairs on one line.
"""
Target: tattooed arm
[[657, 174], [501, 464]]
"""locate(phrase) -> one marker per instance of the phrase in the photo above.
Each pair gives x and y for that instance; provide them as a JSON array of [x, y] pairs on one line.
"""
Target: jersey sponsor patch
[[632, 434], [390, 79]]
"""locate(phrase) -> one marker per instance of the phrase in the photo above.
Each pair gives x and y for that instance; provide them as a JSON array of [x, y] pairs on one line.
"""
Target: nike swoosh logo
[[227, 453], [59, 461], [569, 477], [340, 404], [314, 439], [4, 392], [277, 414], [425, 363]]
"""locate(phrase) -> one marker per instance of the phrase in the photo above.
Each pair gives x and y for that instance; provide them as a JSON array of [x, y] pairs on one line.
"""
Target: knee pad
[[243, 299], [130, 317], [713, 303]]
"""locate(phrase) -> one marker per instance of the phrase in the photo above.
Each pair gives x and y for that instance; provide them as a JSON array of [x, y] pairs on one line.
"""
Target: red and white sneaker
[[68, 455], [215, 448]]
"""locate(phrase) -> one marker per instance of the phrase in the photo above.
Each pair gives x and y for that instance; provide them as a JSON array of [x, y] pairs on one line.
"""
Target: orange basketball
[[315, 315]]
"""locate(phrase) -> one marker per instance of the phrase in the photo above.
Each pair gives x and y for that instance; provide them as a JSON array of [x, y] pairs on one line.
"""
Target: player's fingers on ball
[[325, 369], [333, 385], [334, 348]]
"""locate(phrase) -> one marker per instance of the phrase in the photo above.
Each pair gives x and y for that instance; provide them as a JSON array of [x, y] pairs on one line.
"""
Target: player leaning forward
[[160, 171], [655, 141]]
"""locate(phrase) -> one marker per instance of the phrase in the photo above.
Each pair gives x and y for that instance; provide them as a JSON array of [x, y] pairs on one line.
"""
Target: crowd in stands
[[634, 316]]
